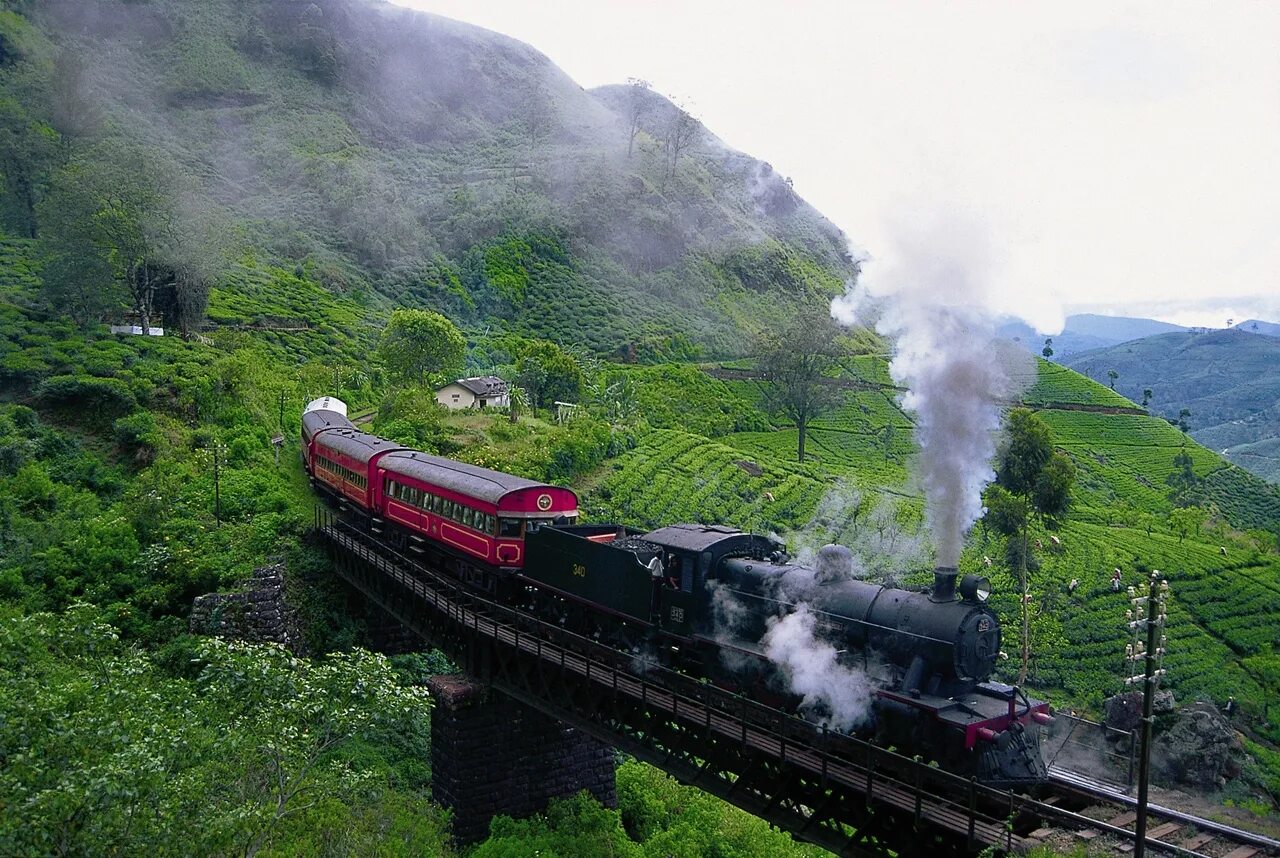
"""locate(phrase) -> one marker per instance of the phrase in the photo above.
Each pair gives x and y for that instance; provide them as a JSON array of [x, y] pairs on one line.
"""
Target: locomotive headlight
[[975, 588]]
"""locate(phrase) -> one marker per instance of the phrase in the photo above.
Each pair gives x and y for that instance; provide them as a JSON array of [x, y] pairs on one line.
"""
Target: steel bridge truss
[[834, 790]]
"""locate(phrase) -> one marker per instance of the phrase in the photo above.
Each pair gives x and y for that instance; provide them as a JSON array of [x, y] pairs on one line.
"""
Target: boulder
[[1200, 748], [1124, 711]]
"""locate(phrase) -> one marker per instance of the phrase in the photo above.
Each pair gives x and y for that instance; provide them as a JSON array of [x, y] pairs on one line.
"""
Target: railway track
[[1169, 831], [1089, 810]]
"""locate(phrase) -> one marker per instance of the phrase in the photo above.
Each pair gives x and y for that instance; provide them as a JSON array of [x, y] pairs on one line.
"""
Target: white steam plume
[[834, 694], [931, 303]]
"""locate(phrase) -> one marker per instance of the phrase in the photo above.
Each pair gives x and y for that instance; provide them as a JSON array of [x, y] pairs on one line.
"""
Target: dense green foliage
[[204, 748], [420, 344]]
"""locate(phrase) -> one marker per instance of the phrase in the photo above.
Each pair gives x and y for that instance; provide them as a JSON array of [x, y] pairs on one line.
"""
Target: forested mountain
[[1229, 381], [381, 151]]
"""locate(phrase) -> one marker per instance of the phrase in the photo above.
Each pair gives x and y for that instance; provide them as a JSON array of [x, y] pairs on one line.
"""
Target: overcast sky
[[1112, 157]]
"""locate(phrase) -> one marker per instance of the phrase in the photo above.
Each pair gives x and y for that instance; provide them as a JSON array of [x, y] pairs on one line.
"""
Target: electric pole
[[1148, 614], [218, 451]]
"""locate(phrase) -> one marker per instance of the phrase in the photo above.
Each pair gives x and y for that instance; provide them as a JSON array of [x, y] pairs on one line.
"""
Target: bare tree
[[637, 108], [797, 362], [682, 131]]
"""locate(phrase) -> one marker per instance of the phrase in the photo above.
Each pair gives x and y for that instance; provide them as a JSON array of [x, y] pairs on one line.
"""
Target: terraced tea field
[[1056, 385], [673, 476]]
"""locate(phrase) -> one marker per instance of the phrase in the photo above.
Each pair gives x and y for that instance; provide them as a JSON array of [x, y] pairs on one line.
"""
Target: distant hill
[[421, 161], [1257, 326], [1229, 379], [1085, 331]]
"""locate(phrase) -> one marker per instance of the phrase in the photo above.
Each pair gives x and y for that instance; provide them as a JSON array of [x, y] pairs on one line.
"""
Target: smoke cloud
[[930, 299], [833, 694]]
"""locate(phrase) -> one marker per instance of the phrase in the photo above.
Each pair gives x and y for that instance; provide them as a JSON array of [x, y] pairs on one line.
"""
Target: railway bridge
[[834, 790]]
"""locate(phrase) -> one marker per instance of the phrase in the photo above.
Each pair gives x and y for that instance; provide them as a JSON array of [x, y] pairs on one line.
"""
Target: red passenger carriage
[[469, 510]]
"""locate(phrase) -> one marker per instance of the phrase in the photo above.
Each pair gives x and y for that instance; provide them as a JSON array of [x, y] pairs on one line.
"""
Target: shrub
[[93, 398], [138, 435]]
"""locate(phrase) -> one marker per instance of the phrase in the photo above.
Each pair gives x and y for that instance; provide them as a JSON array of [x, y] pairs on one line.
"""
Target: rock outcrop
[[1193, 745], [1200, 749]]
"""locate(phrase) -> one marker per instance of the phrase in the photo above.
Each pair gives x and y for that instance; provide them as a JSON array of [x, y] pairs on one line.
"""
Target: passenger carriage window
[[469, 517], [509, 528]]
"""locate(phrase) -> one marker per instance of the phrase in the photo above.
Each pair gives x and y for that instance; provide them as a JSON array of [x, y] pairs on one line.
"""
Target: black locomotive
[[931, 653]]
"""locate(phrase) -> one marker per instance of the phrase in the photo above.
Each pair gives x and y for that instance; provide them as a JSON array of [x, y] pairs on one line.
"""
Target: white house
[[485, 391]]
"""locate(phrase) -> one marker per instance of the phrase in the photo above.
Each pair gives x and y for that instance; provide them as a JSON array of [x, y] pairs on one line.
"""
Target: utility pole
[[282, 411], [217, 485], [1148, 614]]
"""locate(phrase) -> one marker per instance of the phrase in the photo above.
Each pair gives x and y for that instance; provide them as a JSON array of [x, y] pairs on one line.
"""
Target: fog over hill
[[390, 150]]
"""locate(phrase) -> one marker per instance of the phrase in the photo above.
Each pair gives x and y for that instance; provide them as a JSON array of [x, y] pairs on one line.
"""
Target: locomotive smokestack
[[944, 583]]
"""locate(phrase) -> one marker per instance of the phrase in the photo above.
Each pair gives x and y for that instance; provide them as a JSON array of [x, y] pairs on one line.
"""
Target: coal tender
[[705, 594]]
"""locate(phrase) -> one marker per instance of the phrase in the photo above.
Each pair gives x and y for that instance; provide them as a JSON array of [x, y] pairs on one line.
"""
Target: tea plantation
[[1223, 567]]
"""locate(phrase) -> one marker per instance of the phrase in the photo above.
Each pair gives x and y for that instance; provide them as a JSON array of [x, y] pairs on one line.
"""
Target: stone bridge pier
[[491, 755]]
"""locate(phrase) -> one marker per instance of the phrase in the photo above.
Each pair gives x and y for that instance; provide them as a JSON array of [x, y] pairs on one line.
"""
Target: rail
[[1075, 782]]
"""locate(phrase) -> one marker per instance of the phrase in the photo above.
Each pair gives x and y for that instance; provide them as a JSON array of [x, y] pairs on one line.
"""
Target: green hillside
[[1229, 380], [396, 156]]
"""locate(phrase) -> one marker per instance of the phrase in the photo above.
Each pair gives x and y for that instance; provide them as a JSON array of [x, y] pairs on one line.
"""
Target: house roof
[[482, 385]]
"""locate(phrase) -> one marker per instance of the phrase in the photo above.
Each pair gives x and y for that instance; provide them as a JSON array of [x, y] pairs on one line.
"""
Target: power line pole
[[217, 485], [1149, 613]]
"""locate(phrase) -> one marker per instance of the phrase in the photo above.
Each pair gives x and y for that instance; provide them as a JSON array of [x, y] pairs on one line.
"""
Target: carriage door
[[677, 600]]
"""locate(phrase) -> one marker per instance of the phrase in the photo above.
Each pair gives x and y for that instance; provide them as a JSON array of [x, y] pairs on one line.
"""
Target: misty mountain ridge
[[1229, 380], [1085, 331], [1257, 326], [390, 151]]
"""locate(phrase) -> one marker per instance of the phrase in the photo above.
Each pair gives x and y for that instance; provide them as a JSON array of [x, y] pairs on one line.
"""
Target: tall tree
[[637, 107], [1047, 351], [1033, 481], [121, 206], [417, 344], [1112, 375], [28, 151], [797, 362], [682, 131], [549, 374]]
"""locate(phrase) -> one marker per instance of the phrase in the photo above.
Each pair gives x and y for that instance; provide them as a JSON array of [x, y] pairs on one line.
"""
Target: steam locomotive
[[700, 598]]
